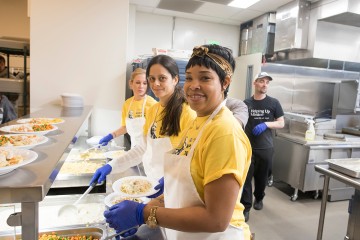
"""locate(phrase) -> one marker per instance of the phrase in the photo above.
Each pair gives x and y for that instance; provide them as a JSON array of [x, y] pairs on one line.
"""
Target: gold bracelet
[[151, 221]]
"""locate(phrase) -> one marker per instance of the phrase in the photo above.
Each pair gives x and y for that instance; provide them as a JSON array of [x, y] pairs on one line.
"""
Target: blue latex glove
[[125, 215], [259, 129], [101, 174], [128, 233], [159, 187], [105, 140]]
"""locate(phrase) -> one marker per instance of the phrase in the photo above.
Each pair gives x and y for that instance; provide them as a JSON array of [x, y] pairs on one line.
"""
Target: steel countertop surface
[[354, 182], [351, 141]]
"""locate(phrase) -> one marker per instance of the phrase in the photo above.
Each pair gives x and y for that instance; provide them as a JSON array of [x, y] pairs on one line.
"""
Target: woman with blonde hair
[[134, 110]]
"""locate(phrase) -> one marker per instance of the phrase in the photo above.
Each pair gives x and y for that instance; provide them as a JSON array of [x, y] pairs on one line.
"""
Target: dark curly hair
[[206, 61]]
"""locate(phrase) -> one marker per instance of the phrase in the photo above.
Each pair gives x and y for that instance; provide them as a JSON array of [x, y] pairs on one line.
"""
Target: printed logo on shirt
[[261, 114], [130, 114], [153, 130], [185, 147], [137, 114]]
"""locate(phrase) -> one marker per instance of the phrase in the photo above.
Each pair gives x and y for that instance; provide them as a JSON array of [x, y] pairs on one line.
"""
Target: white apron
[[180, 192], [153, 159], [134, 126]]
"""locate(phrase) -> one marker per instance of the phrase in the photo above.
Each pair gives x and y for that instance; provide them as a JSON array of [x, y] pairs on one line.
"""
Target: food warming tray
[[95, 232], [348, 166]]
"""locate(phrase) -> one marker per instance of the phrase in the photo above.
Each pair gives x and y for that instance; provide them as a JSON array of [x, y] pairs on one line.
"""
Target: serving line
[[29, 184]]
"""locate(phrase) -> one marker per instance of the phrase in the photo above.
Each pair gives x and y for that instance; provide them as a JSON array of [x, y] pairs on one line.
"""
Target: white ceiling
[[208, 10]]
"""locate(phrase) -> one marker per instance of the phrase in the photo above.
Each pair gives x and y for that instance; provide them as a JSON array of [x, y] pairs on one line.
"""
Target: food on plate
[[8, 158], [87, 155], [135, 186], [19, 140], [44, 120], [54, 236], [119, 199], [80, 167], [93, 154], [32, 128]]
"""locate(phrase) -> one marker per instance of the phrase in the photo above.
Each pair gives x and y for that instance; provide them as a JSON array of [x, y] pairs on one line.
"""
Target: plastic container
[[310, 132]]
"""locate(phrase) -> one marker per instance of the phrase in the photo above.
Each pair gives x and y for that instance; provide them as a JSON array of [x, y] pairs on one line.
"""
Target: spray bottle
[[310, 132]]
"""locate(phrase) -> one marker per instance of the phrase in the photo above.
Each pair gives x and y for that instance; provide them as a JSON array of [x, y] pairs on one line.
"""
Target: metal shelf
[[17, 47]]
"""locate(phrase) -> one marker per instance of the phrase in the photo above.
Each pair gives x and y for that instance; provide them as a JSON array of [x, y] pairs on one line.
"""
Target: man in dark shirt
[[265, 113]]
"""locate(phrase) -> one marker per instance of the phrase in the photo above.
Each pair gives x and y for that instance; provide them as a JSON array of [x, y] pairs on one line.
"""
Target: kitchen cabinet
[[295, 158]]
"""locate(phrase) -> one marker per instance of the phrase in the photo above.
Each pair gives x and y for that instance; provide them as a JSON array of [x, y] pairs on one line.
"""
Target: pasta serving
[[8, 158], [135, 186]]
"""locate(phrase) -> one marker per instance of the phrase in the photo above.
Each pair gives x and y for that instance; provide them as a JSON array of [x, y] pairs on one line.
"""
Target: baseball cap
[[262, 75]]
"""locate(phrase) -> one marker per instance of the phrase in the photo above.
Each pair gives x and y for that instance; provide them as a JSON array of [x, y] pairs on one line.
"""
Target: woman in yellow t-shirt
[[134, 110], [164, 125], [204, 175]]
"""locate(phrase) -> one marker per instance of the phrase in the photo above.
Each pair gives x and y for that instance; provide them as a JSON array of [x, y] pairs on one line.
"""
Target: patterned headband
[[220, 61]]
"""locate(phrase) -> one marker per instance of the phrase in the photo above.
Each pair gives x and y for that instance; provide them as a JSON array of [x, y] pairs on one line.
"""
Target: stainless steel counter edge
[[354, 182], [319, 142], [31, 182]]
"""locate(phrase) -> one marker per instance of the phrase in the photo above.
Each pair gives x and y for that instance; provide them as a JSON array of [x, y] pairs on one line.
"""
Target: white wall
[[80, 47], [15, 24], [156, 31], [190, 33], [152, 31], [238, 85]]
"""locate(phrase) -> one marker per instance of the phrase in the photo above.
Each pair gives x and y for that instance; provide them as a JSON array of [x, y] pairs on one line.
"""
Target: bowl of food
[[115, 198]]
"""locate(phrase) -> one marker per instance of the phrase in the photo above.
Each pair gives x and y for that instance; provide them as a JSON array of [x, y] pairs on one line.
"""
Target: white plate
[[28, 155], [118, 183], [94, 140], [109, 199], [39, 139], [10, 129], [115, 154], [41, 120]]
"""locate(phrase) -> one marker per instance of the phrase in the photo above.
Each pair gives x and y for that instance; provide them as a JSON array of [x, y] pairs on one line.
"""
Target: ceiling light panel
[[242, 3]]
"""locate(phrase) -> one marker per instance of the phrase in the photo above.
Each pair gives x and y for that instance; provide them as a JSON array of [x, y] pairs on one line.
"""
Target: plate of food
[[115, 198], [135, 186], [12, 158], [26, 141], [41, 120], [41, 129], [114, 154]]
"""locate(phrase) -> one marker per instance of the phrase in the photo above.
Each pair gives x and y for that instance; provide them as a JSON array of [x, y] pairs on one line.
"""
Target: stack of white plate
[[72, 100]]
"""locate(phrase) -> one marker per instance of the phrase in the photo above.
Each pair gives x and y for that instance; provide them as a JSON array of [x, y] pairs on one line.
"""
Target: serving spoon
[[117, 234], [71, 208]]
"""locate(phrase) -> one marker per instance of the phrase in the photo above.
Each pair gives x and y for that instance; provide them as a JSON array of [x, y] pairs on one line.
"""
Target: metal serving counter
[[295, 158], [29, 184], [353, 230], [89, 221]]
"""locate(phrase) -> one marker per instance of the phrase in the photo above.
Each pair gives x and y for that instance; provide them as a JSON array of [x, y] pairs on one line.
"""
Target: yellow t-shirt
[[222, 149], [154, 116], [133, 108]]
